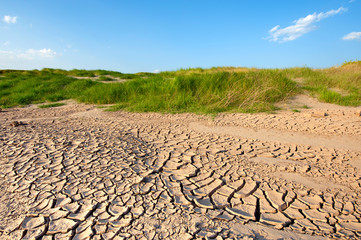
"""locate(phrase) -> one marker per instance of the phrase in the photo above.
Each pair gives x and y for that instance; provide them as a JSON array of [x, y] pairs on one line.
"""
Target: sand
[[78, 172]]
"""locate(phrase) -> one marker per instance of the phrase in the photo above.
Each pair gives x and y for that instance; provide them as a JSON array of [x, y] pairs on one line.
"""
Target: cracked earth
[[77, 172]]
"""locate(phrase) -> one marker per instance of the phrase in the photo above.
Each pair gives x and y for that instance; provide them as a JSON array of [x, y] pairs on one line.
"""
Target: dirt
[[78, 172]]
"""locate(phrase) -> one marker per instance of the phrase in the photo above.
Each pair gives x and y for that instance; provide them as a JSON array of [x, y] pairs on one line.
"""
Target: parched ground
[[77, 172]]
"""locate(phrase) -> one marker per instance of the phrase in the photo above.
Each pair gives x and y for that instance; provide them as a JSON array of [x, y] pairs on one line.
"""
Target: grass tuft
[[105, 79], [50, 105]]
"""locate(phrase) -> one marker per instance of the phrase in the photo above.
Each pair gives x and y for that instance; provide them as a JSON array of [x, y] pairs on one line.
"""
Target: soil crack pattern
[[150, 176]]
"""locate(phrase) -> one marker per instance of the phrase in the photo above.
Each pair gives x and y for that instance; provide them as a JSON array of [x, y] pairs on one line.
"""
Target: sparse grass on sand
[[106, 79], [340, 85], [221, 89], [50, 105]]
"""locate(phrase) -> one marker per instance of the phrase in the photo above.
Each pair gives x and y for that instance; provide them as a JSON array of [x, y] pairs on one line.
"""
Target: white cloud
[[9, 19], [30, 54], [300, 26], [156, 71], [44, 53], [6, 52], [8, 56], [352, 36]]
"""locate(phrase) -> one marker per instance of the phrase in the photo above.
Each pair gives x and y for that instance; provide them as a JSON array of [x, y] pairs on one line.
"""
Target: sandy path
[[76, 172], [352, 143]]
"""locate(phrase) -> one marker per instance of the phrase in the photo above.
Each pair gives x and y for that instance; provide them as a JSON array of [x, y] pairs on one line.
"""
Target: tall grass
[[340, 85], [187, 90], [218, 92]]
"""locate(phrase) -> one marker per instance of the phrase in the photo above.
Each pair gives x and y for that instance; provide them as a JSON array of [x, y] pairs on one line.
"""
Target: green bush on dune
[[187, 90]]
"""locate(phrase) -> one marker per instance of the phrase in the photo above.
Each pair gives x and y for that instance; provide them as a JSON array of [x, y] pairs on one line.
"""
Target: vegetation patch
[[221, 89], [50, 105], [203, 93], [305, 107], [19, 88], [322, 83], [106, 79]]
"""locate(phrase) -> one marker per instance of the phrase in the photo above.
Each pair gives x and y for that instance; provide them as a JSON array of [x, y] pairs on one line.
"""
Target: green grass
[[95, 73], [50, 105], [340, 85], [19, 88], [356, 62], [203, 93], [105, 79], [305, 107], [221, 89]]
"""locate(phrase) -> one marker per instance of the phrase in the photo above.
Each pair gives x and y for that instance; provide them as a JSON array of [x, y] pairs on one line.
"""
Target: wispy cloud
[[300, 26], [9, 19], [44, 53], [352, 36], [6, 52], [30, 54]]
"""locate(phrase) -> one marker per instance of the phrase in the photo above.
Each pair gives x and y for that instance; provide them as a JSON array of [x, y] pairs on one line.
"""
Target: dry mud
[[77, 172]]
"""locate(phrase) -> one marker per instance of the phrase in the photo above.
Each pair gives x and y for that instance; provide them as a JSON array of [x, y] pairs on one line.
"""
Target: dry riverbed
[[77, 172]]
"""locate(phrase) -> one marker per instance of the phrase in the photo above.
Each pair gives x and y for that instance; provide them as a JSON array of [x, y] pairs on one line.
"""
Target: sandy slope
[[75, 172]]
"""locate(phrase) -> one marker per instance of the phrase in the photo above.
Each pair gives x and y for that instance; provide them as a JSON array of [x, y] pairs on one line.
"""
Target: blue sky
[[159, 35]]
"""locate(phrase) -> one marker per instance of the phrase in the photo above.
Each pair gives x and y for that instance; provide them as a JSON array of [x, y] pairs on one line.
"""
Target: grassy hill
[[197, 90]]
